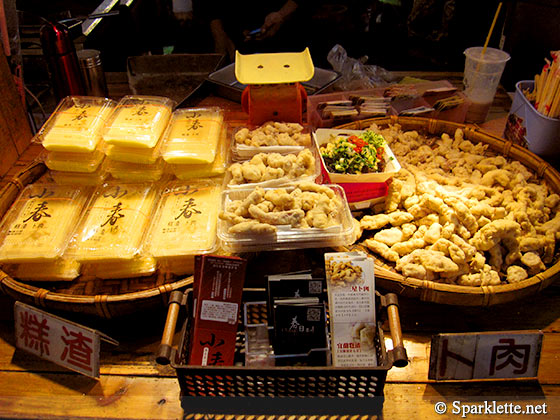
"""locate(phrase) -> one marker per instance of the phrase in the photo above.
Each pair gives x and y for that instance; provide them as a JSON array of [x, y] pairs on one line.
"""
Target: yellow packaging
[[58, 270], [185, 221], [76, 124], [133, 154], [135, 172], [114, 224], [218, 167], [80, 178], [138, 121], [74, 162], [193, 135], [39, 224], [137, 267]]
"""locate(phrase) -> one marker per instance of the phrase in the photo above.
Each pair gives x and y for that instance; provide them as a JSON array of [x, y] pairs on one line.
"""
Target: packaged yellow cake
[[206, 170], [193, 135], [74, 162], [40, 223], [138, 121], [135, 172], [136, 267], [57, 270], [185, 221], [134, 154], [114, 224], [80, 178], [76, 125]]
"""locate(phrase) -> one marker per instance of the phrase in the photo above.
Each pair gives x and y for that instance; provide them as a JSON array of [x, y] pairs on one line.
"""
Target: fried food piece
[[398, 218], [389, 236], [533, 263], [516, 274], [252, 227], [382, 249], [288, 217], [494, 232], [375, 222]]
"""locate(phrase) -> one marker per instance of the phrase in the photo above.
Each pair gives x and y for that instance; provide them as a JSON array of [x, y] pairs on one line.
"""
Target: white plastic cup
[[481, 79]]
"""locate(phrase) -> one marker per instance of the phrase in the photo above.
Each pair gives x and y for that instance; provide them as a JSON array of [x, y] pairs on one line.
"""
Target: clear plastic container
[[135, 172], [76, 125], [242, 151], [137, 267], [40, 223], [58, 270], [80, 178], [193, 135], [134, 154], [207, 170], [138, 121], [73, 162], [293, 164], [114, 224], [184, 223], [285, 236]]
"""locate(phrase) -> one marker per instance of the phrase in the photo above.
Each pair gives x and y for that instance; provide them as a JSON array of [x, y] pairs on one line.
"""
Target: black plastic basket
[[325, 386]]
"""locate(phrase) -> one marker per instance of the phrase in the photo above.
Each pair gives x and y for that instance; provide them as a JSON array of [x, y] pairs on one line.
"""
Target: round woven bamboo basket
[[388, 278], [86, 295]]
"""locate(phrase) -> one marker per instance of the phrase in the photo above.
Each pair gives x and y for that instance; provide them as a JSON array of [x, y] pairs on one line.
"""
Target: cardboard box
[[216, 310]]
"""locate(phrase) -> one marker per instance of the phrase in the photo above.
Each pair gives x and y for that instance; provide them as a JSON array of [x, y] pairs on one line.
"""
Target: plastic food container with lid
[[287, 237], [73, 161], [268, 135], [137, 267], [138, 121], [134, 154], [135, 172], [205, 170], [60, 269], [76, 125], [80, 178], [114, 223], [290, 161], [184, 223], [42, 219], [193, 136]]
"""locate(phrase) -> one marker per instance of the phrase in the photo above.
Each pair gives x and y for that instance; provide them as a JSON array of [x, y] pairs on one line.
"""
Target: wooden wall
[[15, 132]]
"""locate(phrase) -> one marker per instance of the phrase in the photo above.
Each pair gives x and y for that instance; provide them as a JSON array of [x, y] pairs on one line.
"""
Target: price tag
[[58, 340], [485, 355]]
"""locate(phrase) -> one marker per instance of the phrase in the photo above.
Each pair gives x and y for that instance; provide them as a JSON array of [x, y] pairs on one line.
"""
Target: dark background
[[394, 34]]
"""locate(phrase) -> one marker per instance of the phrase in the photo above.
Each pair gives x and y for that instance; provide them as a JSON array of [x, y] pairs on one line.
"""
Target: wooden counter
[[134, 386]]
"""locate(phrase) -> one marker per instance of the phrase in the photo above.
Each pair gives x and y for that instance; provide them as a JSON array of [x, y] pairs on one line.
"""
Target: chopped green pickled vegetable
[[355, 154]]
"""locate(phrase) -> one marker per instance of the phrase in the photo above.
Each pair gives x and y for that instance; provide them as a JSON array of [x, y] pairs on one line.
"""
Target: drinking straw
[[489, 35]]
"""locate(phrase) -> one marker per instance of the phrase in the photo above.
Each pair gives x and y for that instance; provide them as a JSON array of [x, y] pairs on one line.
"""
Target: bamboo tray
[[388, 278]]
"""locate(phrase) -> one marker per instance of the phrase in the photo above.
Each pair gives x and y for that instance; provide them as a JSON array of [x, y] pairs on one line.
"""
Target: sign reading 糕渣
[[58, 340]]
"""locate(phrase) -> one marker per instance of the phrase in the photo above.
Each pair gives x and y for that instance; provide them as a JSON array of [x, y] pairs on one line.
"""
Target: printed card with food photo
[[351, 290]]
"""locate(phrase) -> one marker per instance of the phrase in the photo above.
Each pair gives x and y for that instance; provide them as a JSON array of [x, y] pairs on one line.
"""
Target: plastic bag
[[355, 74]]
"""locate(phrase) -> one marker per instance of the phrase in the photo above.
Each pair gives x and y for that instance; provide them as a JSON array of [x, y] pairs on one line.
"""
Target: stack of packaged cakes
[[133, 138], [195, 143], [72, 137]]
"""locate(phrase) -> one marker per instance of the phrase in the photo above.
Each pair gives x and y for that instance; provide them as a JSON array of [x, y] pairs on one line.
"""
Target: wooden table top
[[133, 386]]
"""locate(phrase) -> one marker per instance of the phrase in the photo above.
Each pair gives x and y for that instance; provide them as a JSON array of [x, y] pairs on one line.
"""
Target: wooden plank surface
[[53, 396]]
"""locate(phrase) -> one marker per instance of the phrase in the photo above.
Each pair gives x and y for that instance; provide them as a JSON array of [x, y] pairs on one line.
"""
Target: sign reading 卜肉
[[485, 355], [58, 340]]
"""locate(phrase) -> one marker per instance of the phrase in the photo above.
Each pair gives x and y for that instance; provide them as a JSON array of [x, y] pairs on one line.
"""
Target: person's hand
[[222, 42], [272, 23]]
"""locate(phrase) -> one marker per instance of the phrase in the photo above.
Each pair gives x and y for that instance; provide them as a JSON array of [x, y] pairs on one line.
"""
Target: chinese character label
[[57, 340]]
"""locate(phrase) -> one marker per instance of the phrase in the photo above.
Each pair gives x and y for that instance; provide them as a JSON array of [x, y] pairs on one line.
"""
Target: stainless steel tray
[[226, 85]]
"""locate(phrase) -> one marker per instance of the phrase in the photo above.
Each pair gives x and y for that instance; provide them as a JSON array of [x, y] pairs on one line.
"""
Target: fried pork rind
[[305, 206], [271, 166], [476, 219], [273, 134]]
